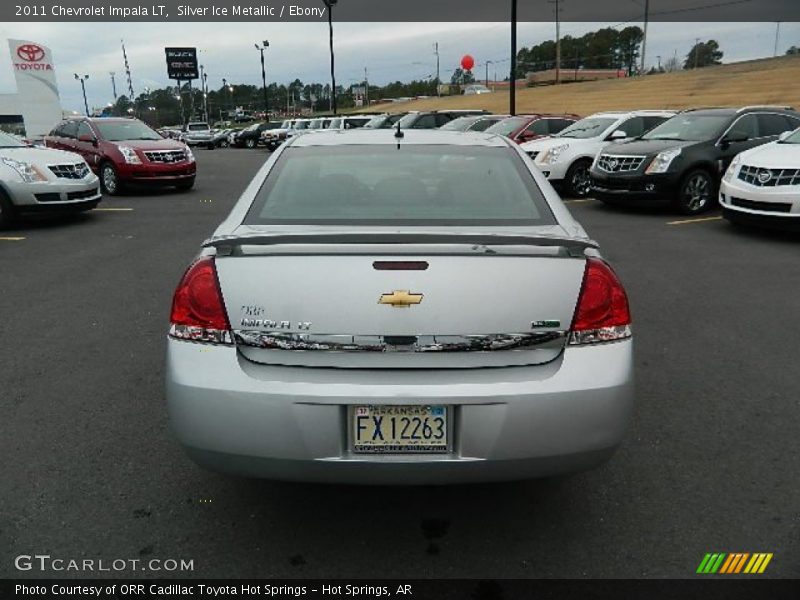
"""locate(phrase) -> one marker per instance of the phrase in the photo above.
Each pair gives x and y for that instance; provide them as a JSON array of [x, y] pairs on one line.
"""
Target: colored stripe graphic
[[734, 563]]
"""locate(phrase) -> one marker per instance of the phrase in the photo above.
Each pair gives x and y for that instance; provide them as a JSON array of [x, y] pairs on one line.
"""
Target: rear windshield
[[119, 131], [410, 185]]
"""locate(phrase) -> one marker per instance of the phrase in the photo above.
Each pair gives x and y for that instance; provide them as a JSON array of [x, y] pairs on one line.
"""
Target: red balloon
[[467, 62]]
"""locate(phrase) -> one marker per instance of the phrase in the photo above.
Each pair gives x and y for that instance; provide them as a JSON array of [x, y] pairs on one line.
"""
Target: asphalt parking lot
[[90, 469]]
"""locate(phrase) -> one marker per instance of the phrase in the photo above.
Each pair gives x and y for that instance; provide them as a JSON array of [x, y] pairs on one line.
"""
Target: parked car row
[[83, 157], [654, 157], [742, 156]]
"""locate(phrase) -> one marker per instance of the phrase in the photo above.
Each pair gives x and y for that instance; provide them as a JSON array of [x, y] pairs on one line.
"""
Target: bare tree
[[672, 64]]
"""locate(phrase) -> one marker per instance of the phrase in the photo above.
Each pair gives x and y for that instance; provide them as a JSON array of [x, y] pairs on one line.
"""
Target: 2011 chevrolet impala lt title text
[[399, 308]]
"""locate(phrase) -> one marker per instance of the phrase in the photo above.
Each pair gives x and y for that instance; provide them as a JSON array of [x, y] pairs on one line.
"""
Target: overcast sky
[[390, 51]]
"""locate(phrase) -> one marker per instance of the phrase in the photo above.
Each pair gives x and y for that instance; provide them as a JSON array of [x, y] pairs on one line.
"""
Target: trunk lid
[[330, 305]]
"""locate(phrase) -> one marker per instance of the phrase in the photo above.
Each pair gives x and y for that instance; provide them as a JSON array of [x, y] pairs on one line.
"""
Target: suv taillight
[[198, 310], [602, 314]]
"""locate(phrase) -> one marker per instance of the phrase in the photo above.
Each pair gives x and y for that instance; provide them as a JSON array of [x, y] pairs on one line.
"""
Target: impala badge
[[400, 299]]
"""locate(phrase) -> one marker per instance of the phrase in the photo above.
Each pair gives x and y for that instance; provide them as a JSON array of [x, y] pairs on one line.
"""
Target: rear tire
[[577, 182], [8, 213], [109, 179], [697, 193]]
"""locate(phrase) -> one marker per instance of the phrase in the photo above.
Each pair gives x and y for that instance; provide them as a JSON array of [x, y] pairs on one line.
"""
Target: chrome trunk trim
[[281, 340]]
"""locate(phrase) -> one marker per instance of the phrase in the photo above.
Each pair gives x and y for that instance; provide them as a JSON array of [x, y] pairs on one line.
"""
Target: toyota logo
[[764, 176], [30, 52]]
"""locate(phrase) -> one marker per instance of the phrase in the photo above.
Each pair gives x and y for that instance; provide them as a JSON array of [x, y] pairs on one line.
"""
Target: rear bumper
[[292, 422]]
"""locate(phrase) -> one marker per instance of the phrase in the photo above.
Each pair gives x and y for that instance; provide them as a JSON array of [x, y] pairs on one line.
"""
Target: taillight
[[198, 310], [602, 314]]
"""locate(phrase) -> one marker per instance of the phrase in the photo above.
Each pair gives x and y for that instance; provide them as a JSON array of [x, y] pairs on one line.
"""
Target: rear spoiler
[[479, 241]]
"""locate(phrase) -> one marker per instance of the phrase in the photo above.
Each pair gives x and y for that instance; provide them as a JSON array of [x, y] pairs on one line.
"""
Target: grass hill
[[766, 81]]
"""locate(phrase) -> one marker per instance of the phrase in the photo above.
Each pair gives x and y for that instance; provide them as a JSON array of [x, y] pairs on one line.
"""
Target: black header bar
[[621, 11]]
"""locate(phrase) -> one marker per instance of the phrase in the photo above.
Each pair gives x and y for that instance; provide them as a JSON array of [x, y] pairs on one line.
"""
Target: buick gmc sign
[[181, 63]]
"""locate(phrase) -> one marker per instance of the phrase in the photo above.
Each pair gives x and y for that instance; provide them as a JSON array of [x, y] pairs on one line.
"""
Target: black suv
[[251, 136], [682, 160], [435, 119]]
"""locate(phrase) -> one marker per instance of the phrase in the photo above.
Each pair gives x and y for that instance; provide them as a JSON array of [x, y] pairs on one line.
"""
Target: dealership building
[[36, 106]]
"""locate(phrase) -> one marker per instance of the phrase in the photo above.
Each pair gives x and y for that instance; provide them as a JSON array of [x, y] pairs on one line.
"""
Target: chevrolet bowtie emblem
[[400, 299]]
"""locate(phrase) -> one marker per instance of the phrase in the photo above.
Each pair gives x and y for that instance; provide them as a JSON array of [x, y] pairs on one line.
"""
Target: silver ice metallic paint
[[489, 339]]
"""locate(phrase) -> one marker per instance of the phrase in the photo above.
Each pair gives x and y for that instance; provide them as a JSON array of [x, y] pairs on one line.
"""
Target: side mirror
[[89, 139], [619, 134], [784, 135], [734, 137]]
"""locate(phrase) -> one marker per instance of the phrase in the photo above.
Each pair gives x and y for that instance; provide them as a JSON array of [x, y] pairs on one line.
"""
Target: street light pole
[[203, 77], [264, 77], [83, 79], [330, 4], [513, 91], [488, 62], [205, 95]]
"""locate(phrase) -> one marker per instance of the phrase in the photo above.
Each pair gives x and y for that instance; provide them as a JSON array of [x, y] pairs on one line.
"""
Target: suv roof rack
[[778, 106]]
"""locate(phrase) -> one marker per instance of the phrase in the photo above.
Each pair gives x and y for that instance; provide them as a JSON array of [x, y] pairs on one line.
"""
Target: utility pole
[[488, 62], [777, 37], [113, 85], [644, 32], [696, 50], [82, 79], [438, 81], [558, 38], [512, 102], [659, 63], [264, 77], [366, 87], [330, 4], [204, 90]]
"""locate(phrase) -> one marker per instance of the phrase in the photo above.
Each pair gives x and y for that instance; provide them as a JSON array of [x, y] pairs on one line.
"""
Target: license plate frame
[[405, 447]]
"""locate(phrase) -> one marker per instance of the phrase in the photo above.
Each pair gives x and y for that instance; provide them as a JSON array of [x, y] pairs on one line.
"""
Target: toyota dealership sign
[[37, 90]]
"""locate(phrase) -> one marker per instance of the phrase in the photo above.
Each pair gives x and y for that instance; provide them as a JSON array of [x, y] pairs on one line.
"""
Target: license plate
[[400, 429]]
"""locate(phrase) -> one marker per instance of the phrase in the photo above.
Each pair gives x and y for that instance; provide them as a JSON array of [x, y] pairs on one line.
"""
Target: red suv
[[524, 128], [125, 151]]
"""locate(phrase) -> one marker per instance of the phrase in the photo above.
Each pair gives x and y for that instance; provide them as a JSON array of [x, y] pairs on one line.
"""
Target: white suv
[[566, 157], [38, 179], [762, 185]]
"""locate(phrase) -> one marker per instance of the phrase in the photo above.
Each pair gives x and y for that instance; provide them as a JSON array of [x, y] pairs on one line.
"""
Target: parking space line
[[11, 239], [700, 220], [112, 209]]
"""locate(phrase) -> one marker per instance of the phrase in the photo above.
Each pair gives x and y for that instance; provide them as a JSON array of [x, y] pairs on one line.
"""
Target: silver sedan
[[399, 308]]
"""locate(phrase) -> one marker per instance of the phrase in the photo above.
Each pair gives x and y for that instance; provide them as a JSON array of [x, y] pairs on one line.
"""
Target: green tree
[[462, 77], [793, 50], [703, 54]]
